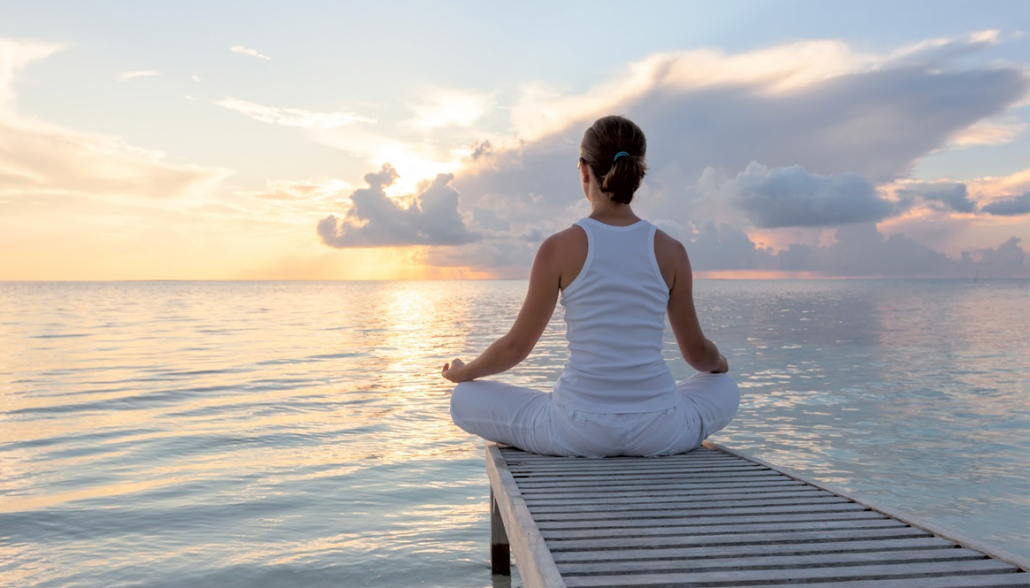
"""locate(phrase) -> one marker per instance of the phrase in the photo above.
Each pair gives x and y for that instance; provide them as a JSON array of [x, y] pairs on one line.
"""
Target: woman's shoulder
[[568, 237], [567, 250], [667, 243], [670, 254]]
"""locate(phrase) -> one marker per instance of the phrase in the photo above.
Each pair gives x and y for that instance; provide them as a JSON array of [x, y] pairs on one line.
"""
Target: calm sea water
[[297, 433]]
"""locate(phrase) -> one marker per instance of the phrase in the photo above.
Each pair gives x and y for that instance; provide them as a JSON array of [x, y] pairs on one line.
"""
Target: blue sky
[[322, 93]]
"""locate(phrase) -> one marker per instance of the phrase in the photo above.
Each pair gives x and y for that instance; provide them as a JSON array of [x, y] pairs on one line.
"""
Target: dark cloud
[[875, 124], [1014, 206], [948, 196], [861, 250], [375, 220], [725, 247], [480, 149], [792, 197], [487, 219], [858, 250], [794, 258], [1006, 260]]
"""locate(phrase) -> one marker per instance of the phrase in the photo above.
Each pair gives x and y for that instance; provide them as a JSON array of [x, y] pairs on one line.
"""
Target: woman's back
[[615, 321], [617, 278]]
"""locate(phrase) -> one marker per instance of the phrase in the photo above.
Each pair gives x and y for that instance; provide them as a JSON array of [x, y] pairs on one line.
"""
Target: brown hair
[[619, 178]]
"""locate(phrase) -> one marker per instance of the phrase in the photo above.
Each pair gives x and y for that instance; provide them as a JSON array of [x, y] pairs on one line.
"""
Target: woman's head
[[618, 178]]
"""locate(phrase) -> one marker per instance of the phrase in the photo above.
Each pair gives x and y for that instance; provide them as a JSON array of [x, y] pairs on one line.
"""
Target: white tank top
[[615, 321]]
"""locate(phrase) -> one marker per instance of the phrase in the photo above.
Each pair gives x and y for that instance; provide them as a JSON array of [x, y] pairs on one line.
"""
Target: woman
[[618, 276]]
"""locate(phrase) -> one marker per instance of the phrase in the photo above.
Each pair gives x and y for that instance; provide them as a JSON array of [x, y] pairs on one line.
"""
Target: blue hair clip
[[620, 154]]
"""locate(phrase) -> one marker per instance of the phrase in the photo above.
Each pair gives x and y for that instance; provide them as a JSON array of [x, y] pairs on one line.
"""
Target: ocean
[[267, 434]]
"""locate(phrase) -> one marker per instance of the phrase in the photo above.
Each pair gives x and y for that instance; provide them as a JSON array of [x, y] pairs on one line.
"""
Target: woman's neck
[[612, 213]]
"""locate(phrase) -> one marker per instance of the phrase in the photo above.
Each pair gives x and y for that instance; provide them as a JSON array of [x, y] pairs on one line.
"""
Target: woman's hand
[[454, 371], [724, 366]]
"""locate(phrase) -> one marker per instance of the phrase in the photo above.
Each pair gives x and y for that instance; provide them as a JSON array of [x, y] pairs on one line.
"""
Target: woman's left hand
[[454, 371]]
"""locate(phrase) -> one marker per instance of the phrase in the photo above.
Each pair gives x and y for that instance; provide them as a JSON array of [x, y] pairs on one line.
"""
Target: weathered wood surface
[[716, 517]]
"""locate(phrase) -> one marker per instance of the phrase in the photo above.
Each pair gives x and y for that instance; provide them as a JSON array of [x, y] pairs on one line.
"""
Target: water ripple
[[270, 433]]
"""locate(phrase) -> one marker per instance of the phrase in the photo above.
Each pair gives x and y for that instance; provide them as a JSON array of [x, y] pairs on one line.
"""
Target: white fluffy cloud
[[293, 117], [825, 123], [249, 52], [431, 217]]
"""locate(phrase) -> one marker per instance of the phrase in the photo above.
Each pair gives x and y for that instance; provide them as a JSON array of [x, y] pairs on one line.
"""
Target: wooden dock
[[714, 517]]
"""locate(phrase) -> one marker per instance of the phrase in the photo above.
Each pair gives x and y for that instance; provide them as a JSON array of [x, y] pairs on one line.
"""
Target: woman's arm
[[509, 350], [698, 351]]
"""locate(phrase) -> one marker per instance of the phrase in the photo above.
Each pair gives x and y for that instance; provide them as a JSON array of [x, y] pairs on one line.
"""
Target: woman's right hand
[[724, 366]]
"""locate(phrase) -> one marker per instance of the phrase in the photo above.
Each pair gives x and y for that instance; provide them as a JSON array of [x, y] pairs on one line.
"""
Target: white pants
[[530, 420]]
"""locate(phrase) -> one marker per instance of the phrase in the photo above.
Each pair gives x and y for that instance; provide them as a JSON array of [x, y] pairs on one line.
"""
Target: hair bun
[[604, 146]]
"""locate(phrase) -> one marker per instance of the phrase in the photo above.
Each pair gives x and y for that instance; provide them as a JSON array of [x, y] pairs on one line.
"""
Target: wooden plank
[[676, 497], [714, 522], [631, 511], [536, 565], [781, 482], [669, 530], [988, 581], [619, 462], [939, 530], [666, 462], [842, 573], [764, 477], [590, 506], [737, 539], [628, 470], [791, 486], [766, 562], [700, 451], [730, 552], [578, 479]]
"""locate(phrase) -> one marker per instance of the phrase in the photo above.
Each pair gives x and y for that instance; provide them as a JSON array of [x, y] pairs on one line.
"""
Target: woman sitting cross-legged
[[618, 276]]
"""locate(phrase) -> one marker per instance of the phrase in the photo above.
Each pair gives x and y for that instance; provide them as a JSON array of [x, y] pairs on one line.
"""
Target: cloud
[[792, 197], [128, 75], [843, 117], [857, 250], [987, 133], [14, 56], [828, 124], [246, 51], [37, 157], [861, 250], [1014, 206], [781, 70], [292, 190], [293, 117], [938, 51], [725, 247], [440, 108], [350, 132], [947, 195], [1008, 259], [374, 220], [543, 111], [487, 218]]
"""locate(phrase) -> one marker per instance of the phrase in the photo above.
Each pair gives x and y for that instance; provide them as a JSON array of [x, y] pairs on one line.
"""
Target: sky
[[417, 140]]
